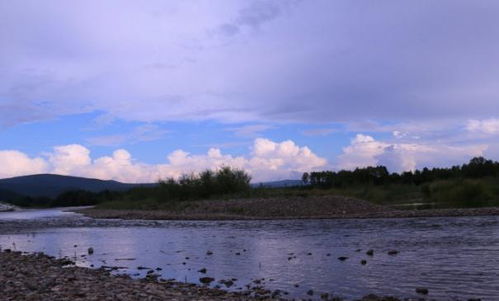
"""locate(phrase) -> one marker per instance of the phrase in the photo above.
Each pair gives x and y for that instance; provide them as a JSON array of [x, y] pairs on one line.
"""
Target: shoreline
[[322, 207], [38, 276], [41, 277]]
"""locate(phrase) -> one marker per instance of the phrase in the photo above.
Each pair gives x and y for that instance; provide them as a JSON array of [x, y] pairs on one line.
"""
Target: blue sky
[[137, 91]]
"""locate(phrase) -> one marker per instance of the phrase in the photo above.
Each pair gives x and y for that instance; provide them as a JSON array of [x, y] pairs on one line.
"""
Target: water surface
[[452, 257]]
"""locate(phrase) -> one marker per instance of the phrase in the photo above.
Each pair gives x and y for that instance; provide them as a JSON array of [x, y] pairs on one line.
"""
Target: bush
[[462, 193], [206, 184]]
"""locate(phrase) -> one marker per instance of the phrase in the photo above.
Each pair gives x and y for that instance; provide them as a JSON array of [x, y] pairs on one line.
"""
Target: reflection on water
[[450, 256]]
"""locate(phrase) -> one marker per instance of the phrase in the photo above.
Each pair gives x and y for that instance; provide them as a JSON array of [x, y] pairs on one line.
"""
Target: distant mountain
[[49, 185], [278, 184]]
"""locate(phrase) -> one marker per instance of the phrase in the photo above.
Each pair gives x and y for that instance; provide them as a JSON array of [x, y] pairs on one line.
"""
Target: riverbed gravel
[[38, 277]]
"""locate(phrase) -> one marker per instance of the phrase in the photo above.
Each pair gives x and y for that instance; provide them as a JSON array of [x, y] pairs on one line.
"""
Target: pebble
[[422, 291]]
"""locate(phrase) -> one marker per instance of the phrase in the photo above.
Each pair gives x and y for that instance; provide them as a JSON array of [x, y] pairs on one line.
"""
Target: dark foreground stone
[[40, 277]]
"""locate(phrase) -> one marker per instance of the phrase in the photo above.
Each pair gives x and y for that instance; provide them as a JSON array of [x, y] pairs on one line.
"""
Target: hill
[[49, 185], [279, 184]]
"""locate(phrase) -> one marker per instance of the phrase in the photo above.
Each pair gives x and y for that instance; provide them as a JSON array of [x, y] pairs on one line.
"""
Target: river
[[451, 257]]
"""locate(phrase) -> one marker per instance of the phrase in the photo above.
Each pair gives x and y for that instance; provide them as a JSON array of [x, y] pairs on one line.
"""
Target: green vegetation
[[475, 184], [173, 194]]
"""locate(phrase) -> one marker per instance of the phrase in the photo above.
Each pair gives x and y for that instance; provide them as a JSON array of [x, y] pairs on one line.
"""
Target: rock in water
[[206, 280], [90, 251]]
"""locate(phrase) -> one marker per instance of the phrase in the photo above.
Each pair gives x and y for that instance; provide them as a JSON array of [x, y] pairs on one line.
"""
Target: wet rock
[[370, 252], [206, 280], [39, 277], [209, 253], [342, 258], [203, 270], [227, 283], [363, 262], [90, 251], [143, 268], [422, 291]]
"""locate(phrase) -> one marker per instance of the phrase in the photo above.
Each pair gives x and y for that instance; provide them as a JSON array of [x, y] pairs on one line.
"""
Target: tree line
[[204, 185], [478, 167]]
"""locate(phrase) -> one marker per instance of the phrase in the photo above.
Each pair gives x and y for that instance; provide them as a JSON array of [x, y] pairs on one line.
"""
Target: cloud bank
[[268, 160], [397, 157]]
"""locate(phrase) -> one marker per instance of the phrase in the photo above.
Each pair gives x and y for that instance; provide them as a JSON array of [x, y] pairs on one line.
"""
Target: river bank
[[319, 207], [41, 277]]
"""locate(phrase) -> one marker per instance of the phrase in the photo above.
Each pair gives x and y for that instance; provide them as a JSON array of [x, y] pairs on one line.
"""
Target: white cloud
[[14, 163], [486, 126], [367, 151], [69, 159], [268, 160]]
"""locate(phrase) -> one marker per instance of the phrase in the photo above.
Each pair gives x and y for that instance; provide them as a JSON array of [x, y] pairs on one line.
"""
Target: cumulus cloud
[[15, 163], [366, 151], [268, 160]]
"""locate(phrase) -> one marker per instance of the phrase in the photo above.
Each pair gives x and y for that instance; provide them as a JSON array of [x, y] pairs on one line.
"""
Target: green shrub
[[461, 193]]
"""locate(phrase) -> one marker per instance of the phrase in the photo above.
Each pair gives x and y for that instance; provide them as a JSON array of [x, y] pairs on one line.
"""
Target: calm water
[[452, 257]]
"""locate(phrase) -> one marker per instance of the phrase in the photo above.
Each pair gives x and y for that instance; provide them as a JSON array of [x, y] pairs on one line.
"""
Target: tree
[[305, 178]]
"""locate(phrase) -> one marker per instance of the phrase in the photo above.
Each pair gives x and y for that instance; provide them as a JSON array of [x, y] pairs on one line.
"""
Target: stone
[[206, 280]]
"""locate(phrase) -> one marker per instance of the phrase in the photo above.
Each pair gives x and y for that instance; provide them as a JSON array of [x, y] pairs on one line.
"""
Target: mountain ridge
[[51, 185]]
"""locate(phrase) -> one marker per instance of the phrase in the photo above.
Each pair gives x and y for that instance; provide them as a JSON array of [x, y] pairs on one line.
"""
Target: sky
[[138, 91]]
